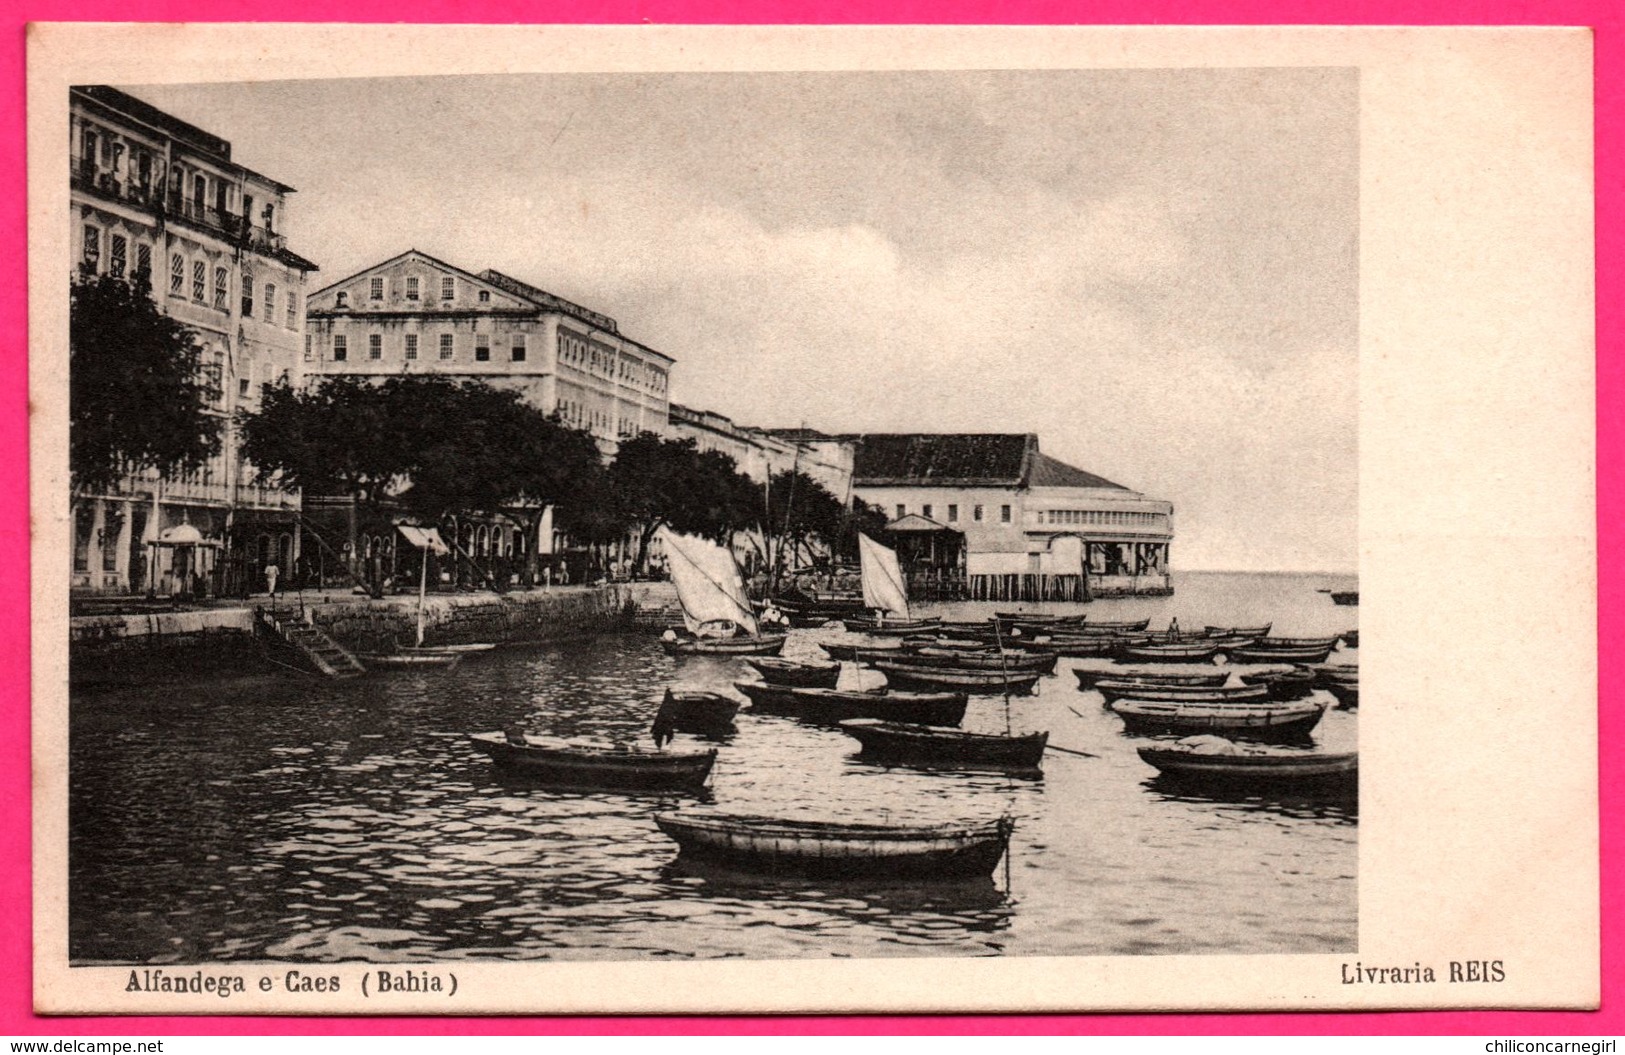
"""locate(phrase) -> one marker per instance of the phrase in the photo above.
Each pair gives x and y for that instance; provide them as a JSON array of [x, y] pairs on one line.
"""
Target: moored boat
[[1347, 693], [850, 652], [792, 846], [1249, 721], [1279, 654], [788, 672], [936, 745], [699, 713], [1345, 597], [410, 658], [889, 627], [1212, 759], [1089, 676], [1119, 690], [1298, 642], [1175, 652], [1292, 684], [718, 615], [580, 764], [738, 645], [960, 679], [963, 659], [830, 706], [1238, 631]]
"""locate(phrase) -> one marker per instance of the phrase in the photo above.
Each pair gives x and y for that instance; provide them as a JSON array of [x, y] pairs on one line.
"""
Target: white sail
[[708, 583], [883, 583]]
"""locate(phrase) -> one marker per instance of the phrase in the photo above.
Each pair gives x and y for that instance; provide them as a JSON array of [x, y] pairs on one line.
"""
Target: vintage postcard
[[624, 520]]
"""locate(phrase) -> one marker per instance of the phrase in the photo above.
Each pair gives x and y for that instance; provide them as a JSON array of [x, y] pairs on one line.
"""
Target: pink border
[[16, 1016]]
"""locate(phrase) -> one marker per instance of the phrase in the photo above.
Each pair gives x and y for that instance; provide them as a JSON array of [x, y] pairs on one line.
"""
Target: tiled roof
[[1047, 472], [944, 459]]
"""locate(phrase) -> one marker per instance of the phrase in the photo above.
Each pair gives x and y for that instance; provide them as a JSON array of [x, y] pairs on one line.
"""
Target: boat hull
[[766, 645], [937, 746], [833, 706], [1305, 770], [1260, 654], [697, 713], [1243, 721], [939, 679], [1167, 653], [806, 675], [582, 766], [1348, 695], [1121, 690], [805, 848], [889, 628], [1284, 685], [409, 660], [1089, 677]]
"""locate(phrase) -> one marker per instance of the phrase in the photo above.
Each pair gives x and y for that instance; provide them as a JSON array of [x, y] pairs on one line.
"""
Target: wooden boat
[[787, 846], [1212, 759], [1292, 684], [1239, 631], [740, 645], [698, 713], [410, 658], [1134, 690], [1298, 642], [786, 672], [1131, 625], [1041, 617], [1088, 677], [962, 659], [889, 627], [830, 706], [1345, 597], [718, 615], [1083, 647], [1260, 654], [1347, 693], [1248, 721], [579, 764], [935, 745], [937, 679], [850, 652], [1195, 652], [478, 646]]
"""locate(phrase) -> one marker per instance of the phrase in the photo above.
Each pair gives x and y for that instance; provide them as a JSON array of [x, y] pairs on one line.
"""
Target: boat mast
[[423, 591], [789, 503]]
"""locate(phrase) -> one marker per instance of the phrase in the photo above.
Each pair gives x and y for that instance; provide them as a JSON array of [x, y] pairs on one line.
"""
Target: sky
[[1156, 271]]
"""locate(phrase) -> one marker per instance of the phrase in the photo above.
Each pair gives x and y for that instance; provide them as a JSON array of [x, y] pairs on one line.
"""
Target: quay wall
[[143, 646]]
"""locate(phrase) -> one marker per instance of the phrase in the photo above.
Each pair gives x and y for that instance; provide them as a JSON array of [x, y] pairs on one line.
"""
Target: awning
[[183, 535], [915, 523], [424, 538]]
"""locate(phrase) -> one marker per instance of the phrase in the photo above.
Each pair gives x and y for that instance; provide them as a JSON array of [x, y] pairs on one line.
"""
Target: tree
[[671, 483], [137, 390]]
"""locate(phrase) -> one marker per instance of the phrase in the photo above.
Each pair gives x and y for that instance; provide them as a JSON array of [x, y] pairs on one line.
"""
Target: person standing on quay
[[271, 572]]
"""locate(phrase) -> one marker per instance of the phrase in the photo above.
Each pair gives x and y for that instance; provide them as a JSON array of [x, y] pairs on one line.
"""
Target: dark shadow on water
[[1331, 802], [519, 782]]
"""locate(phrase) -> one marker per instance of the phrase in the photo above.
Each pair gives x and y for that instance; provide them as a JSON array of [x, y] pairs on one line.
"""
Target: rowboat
[[1200, 652], [786, 672], [1298, 642], [1041, 617], [850, 652], [1249, 721], [786, 846], [1212, 759], [739, 645], [1134, 690], [936, 679], [1083, 647], [1260, 654], [830, 706], [1238, 631], [699, 713], [935, 745], [1345, 597], [1347, 693], [410, 658], [1088, 677], [889, 627], [1292, 684], [579, 764], [477, 646], [963, 659]]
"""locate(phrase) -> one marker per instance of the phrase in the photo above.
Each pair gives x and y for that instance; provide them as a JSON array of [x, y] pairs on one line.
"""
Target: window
[[293, 311], [375, 346], [270, 302], [200, 272], [976, 513], [485, 296], [482, 348], [411, 345], [221, 292], [248, 294], [902, 510], [341, 350], [93, 248], [1004, 514], [143, 261], [377, 290], [412, 287], [445, 344], [242, 387], [448, 288], [117, 248], [200, 194], [310, 347], [518, 347], [925, 511]]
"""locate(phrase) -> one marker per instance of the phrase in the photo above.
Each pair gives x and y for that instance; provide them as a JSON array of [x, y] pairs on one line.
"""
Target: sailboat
[[716, 611], [885, 591], [420, 655]]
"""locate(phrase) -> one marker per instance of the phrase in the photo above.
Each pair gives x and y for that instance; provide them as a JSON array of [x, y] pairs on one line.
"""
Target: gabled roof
[[915, 523], [963, 459], [542, 298], [942, 459], [1045, 471], [479, 283]]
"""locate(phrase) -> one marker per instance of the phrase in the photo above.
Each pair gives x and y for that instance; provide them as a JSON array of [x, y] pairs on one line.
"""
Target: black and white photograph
[[809, 515]]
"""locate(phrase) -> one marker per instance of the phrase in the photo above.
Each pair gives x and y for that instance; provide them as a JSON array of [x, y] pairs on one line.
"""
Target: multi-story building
[[1019, 520], [413, 314], [157, 199]]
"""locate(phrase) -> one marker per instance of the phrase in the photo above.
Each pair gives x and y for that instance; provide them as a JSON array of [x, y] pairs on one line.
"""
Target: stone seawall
[[206, 641]]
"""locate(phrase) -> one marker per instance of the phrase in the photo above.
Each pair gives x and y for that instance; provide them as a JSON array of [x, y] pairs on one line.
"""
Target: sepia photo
[[811, 520]]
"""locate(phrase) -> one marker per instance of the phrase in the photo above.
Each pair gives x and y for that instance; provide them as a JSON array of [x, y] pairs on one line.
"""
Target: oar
[[1069, 751]]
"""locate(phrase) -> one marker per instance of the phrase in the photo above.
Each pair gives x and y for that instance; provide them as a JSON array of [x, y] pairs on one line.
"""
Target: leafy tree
[[137, 391], [798, 510], [671, 483]]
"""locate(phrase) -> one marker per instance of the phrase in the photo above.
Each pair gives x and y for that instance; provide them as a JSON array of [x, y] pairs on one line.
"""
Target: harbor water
[[292, 818]]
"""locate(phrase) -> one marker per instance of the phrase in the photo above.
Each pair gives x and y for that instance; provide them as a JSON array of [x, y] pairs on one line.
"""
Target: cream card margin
[[1479, 815]]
